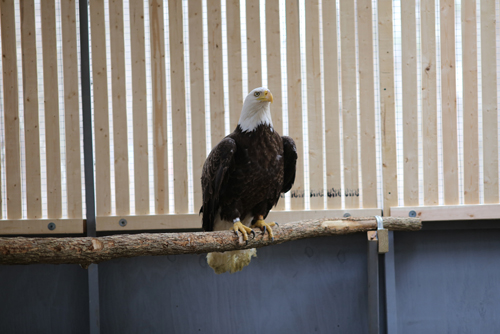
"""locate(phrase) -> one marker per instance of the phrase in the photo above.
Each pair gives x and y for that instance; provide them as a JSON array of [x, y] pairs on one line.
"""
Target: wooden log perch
[[87, 250]]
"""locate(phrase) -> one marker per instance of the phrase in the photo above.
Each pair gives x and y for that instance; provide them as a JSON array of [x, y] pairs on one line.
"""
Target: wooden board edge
[[41, 226], [450, 212]]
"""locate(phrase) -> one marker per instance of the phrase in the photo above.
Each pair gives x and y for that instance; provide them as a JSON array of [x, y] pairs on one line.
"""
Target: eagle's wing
[[290, 153], [213, 177]]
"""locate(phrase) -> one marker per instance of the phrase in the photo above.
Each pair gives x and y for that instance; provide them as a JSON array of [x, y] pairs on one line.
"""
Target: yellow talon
[[238, 226], [260, 223]]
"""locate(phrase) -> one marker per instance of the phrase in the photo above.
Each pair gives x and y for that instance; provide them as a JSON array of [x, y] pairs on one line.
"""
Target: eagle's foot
[[260, 223], [244, 230]]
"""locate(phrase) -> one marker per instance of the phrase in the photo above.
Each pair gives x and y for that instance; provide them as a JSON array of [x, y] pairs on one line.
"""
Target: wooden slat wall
[[449, 102], [158, 78], [253, 45], [429, 102], [51, 96], [295, 98], [410, 116], [331, 85], [234, 61], [470, 106], [273, 45], [489, 99], [31, 124], [197, 97], [367, 104], [139, 107], [349, 104], [71, 110], [314, 107]]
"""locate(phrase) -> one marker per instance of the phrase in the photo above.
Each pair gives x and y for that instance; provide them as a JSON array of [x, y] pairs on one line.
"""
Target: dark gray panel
[[448, 281], [43, 299], [306, 286]]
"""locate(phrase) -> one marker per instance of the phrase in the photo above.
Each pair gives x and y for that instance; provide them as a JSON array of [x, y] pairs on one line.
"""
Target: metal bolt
[[347, 214], [122, 222], [412, 213], [51, 226]]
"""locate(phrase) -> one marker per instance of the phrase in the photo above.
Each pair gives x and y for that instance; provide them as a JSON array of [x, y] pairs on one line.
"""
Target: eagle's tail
[[232, 261]]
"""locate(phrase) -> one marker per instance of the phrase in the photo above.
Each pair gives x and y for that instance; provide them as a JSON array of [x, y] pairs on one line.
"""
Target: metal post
[[373, 284], [93, 273], [390, 288]]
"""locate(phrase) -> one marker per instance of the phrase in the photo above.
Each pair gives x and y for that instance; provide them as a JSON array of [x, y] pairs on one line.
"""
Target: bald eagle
[[243, 178]]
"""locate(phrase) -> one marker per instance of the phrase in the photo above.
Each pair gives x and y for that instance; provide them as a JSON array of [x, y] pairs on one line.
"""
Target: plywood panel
[[387, 108], [178, 95], [72, 110], [295, 98], [139, 107], [253, 44], [158, 79], [234, 61], [101, 121], [314, 107], [120, 145], [273, 45], [31, 125], [489, 99], [450, 212], [331, 82], [11, 111], [429, 102], [215, 71], [449, 104], [470, 99], [40, 226], [197, 96], [367, 104], [51, 96], [349, 104], [410, 113]]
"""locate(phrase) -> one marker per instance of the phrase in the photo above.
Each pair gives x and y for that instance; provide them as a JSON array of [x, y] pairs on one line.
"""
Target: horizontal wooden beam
[[41, 226], [449, 212], [87, 250], [193, 221]]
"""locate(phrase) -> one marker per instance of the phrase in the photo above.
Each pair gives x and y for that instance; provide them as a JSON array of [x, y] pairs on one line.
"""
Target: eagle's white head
[[256, 109]]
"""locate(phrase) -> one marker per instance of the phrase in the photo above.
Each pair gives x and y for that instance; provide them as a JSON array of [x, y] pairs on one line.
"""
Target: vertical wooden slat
[[295, 98], [367, 104], [178, 95], [120, 145], [273, 45], [410, 112], [51, 95], [429, 102], [234, 61], [101, 121], [72, 111], [331, 81], [489, 99], [349, 104], [253, 44], [449, 104], [11, 111], [215, 71], [314, 107], [470, 106], [139, 108], [158, 79], [31, 125], [197, 96], [387, 107]]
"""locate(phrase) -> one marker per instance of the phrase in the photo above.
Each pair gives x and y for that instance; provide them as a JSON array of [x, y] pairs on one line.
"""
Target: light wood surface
[[450, 212], [40, 226], [234, 62], [253, 44]]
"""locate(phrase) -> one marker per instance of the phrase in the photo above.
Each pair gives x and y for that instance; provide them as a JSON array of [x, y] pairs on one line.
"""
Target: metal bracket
[[383, 236]]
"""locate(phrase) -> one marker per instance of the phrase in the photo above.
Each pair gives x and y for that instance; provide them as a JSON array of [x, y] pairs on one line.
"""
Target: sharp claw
[[253, 233], [246, 242], [272, 239], [278, 225], [264, 230]]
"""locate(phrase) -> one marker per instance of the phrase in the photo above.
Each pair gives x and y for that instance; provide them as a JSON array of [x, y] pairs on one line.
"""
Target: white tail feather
[[232, 261]]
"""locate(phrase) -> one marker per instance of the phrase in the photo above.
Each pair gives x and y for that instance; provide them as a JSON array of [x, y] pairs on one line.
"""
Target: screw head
[[51, 226], [412, 213], [122, 222], [347, 214]]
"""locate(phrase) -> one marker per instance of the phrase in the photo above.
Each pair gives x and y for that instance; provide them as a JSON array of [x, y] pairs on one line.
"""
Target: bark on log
[[87, 250]]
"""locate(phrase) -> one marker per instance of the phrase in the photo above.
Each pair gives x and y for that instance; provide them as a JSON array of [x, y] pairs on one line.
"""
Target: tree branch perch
[[87, 250]]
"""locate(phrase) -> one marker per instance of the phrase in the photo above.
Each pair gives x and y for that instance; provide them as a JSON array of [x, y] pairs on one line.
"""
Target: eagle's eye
[[256, 94]]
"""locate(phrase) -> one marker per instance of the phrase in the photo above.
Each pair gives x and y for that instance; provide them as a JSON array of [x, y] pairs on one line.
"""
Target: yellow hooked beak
[[266, 96]]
